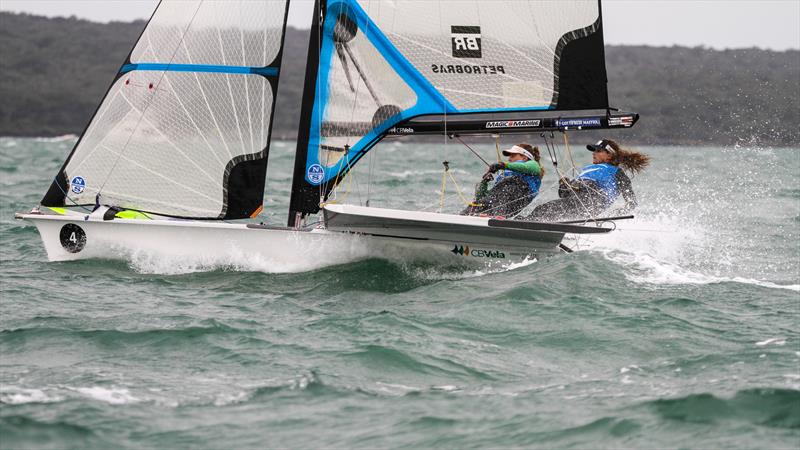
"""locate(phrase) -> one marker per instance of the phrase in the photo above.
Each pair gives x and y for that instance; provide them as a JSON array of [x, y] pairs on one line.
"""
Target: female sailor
[[597, 186], [514, 187]]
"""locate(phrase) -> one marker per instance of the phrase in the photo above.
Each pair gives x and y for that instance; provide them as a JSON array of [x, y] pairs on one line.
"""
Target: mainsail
[[379, 67], [184, 129]]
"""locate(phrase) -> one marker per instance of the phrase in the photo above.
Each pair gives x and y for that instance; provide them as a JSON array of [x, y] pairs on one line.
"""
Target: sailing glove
[[497, 166], [488, 176]]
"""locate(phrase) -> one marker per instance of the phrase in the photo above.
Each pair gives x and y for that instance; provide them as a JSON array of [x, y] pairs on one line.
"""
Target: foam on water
[[439, 272], [113, 396], [302, 257], [693, 242], [13, 395]]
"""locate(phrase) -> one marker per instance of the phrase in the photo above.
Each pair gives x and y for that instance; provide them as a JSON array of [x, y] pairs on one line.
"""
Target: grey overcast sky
[[772, 24]]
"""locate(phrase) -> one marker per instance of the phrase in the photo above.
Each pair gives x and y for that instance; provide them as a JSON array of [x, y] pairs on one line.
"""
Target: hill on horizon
[[54, 72]]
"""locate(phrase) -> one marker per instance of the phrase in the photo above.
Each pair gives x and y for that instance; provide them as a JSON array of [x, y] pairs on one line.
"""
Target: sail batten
[[201, 68]]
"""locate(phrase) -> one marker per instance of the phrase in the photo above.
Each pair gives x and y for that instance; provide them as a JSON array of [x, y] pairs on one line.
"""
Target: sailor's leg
[[508, 197], [472, 210], [554, 210]]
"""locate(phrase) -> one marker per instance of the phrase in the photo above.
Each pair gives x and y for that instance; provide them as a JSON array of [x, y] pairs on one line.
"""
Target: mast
[[305, 197]]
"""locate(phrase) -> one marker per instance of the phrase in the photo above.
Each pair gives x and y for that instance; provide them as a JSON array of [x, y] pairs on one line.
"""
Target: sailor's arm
[[527, 167], [567, 187], [626, 189], [482, 188]]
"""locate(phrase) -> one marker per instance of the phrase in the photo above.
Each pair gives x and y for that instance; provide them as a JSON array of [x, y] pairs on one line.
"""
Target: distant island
[[54, 72]]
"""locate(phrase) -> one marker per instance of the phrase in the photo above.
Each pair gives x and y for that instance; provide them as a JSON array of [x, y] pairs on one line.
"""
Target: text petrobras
[[468, 69]]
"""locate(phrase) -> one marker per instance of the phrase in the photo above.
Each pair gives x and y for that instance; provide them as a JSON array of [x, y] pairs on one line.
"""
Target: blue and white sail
[[184, 129], [377, 65]]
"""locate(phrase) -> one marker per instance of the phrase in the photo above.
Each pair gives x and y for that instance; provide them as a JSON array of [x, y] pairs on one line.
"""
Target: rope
[[497, 147], [458, 190], [569, 153], [444, 184], [335, 191]]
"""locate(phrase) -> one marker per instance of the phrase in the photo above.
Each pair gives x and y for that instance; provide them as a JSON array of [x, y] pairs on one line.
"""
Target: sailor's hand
[[497, 166], [488, 176]]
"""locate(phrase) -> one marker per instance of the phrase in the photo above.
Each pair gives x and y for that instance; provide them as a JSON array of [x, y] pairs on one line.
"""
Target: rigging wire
[[457, 137], [561, 175], [369, 176], [569, 153]]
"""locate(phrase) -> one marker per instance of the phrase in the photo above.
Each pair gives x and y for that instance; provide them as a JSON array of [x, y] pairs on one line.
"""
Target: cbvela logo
[[464, 250], [400, 130], [466, 41], [78, 185], [315, 174], [514, 124]]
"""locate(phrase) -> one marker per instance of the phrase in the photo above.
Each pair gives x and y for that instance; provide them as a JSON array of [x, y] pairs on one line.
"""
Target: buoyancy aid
[[605, 176], [534, 182]]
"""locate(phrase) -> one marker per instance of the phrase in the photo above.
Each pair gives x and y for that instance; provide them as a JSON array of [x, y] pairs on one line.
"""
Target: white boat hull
[[249, 246]]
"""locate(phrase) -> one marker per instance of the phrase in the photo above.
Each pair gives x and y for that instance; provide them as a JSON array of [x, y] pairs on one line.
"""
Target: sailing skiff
[[178, 148]]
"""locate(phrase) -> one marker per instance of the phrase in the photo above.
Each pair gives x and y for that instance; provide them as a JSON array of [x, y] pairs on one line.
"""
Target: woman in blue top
[[515, 186], [597, 186]]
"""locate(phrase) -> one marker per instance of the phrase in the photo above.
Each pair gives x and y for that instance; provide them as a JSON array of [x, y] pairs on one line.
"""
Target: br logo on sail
[[466, 41]]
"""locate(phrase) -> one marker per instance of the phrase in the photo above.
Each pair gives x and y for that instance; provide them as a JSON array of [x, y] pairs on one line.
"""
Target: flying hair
[[629, 160]]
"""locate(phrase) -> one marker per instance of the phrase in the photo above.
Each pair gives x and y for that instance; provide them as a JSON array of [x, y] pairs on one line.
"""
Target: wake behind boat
[[178, 148]]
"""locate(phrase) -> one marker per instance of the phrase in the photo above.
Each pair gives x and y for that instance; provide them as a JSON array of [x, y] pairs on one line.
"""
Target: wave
[[647, 269], [417, 173], [62, 138], [776, 408], [174, 336], [25, 432], [13, 395], [662, 249], [113, 396], [394, 360]]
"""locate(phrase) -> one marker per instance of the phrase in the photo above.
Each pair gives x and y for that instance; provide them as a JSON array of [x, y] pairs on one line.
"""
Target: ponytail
[[633, 162], [536, 155]]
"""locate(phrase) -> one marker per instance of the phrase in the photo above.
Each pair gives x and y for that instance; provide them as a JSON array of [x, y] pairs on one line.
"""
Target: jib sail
[[376, 66], [184, 129]]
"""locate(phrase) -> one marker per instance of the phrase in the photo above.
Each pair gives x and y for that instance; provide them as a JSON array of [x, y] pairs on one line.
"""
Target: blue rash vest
[[533, 181], [605, 175]]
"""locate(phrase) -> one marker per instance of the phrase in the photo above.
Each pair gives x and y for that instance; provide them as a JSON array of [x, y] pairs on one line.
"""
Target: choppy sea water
[[681, 329]]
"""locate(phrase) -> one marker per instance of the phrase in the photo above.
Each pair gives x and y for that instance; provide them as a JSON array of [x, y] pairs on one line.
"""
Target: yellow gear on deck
[[130, 214]]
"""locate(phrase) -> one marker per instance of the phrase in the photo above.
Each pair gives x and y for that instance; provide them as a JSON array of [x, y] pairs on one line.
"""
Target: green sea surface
[[681, 329]]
